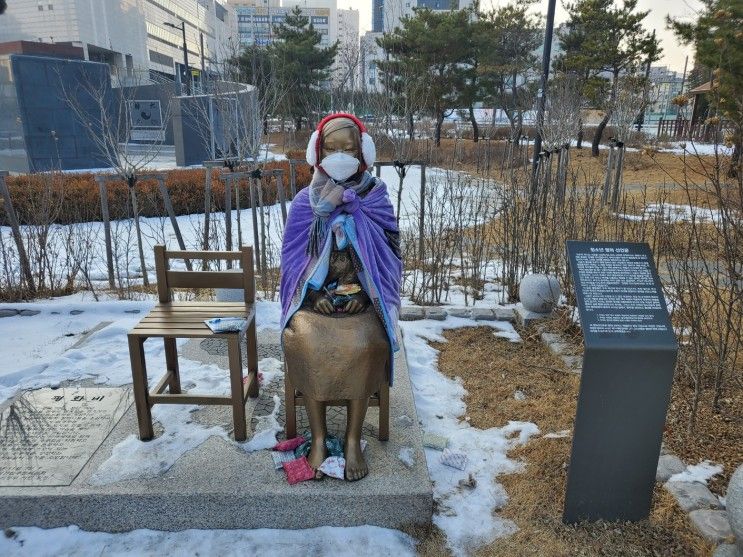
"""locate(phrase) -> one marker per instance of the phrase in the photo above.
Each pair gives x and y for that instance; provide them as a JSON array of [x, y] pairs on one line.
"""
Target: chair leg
[[236, 386], [171, 361], [384, 412], [290, 409], [139, 383], [251, 342]]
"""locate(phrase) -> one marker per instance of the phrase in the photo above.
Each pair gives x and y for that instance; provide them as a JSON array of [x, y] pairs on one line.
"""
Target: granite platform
[[220, 485]]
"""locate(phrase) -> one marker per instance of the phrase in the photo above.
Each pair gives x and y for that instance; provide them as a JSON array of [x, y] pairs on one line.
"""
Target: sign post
[[628, 364]]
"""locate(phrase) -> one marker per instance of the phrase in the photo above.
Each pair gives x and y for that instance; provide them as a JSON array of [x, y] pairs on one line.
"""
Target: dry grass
[[492, 369], [718, 435], [491, 380]]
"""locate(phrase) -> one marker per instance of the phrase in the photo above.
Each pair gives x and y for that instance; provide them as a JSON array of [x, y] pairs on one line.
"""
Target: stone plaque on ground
[[48, 435], [628, 364]]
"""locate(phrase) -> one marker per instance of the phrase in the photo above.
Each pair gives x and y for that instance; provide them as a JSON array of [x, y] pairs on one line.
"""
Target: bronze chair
[[293, 398], [170, 320]]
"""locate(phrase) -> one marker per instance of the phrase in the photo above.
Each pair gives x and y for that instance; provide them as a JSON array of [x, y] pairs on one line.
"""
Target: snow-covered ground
[[673, 213], [37, 352], [366, 541], [703, 149]]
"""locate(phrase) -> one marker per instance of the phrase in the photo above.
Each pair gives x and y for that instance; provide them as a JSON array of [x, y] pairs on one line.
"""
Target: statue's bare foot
[[318, 454], [356, 467]]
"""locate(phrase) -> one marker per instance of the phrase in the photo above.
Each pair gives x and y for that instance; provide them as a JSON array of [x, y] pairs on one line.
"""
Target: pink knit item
[[289, 444], [298, 471]]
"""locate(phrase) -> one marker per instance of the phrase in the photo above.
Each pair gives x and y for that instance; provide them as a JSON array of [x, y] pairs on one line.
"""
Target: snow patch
[[464, 514], [366, 541], [699, 473]]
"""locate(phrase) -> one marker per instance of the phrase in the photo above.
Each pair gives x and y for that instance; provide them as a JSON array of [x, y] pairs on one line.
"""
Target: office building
[[128, 35]]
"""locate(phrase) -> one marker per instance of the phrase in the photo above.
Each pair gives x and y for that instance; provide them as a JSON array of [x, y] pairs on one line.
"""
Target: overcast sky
[[673, 53]]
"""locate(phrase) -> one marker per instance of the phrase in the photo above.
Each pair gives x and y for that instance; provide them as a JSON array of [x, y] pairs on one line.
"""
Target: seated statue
[[340, 285]]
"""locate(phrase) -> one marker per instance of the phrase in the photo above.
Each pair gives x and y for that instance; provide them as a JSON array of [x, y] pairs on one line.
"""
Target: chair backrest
[[167, 279]]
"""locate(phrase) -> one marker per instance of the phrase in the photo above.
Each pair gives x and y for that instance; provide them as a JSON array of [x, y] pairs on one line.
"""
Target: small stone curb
[[526, 318], [706, 514], [416, 313], [560, 348]]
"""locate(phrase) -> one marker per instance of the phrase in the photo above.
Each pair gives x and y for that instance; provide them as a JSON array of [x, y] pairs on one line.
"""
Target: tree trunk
[[579, 142], [598, 134], [411, 126], [735, 159], [475, 128], [437, 132], [519, 130], [605, 120]]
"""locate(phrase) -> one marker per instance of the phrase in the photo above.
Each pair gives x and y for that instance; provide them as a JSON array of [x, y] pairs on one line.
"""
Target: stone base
[[525, 318], [219, 485]]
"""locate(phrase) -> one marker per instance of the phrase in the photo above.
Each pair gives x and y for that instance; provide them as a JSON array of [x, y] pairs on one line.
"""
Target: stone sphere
[[734, 505], [539, 293]]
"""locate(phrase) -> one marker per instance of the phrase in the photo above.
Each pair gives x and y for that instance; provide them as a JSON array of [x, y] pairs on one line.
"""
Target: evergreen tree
[[431, 49], [717, 37], [602, 39], [255, 65], [301, 65], [507, 43]]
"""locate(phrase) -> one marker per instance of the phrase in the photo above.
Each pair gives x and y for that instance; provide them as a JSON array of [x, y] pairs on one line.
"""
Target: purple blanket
[[376, 232]]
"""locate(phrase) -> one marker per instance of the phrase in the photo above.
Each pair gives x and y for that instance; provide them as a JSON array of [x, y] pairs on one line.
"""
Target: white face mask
[[340, 166]]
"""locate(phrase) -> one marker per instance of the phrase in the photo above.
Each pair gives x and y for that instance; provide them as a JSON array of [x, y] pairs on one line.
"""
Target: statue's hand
[[356, 305], [323, 305]]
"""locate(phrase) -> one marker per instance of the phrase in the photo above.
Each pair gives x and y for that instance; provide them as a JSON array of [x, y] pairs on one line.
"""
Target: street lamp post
[[182, 27], [546, 53]]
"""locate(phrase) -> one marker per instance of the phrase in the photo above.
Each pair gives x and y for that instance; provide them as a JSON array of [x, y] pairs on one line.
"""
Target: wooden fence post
[[236, 186], [228, 217], [293, 176], [135, 210], [280, 189], [103, 192], [263, 235], [422, 214], [16, 229], [171, 213], [207, 209], [607, 180], [618, 177], [254, 212]]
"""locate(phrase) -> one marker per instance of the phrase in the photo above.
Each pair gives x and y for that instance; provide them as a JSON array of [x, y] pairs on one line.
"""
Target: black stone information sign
[[628, 363]]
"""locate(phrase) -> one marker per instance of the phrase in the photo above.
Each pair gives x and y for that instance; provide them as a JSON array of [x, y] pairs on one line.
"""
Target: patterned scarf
[[326, 195]]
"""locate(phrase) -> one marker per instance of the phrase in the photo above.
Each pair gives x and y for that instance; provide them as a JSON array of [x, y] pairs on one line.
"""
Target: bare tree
[[562, 112], [631, 99], [114, 113], [346, 71]]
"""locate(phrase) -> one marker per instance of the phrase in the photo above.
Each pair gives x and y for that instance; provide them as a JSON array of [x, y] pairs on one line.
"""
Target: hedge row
[[70, 198]]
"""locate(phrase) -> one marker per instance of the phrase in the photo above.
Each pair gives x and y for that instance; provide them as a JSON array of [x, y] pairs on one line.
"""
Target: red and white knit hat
[[368, 149]]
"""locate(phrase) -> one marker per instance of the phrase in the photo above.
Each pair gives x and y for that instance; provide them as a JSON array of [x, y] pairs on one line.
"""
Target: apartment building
[[256, 19]]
